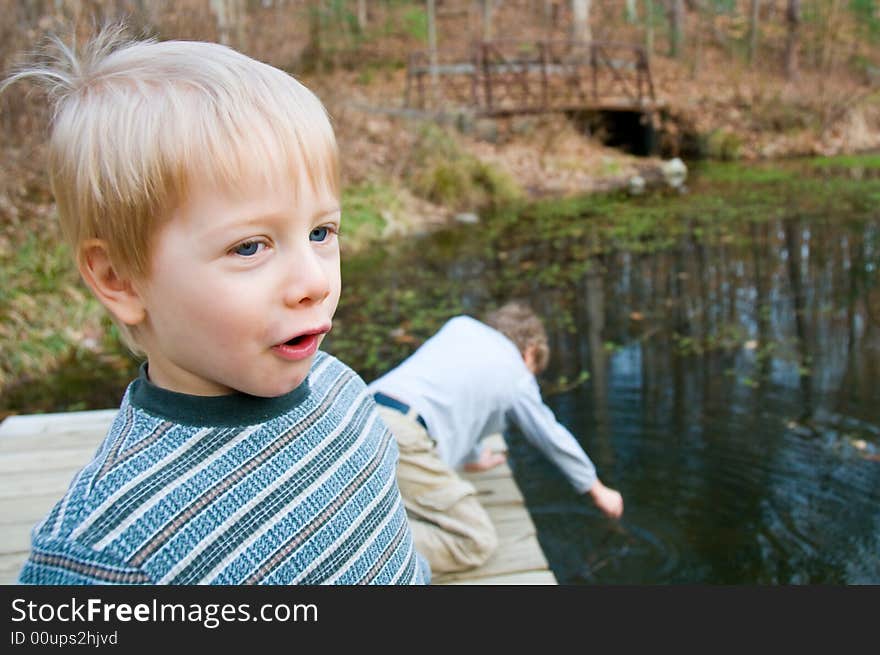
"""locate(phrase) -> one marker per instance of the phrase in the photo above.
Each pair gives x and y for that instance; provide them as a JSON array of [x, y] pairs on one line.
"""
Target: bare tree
[[550, 17], [675, 12], [362, 14], [754, 17], [432, 49], [632, 12], [486, 7], [704, 13], [580, 23], [793, 19], [313, 54], [830, 33], [231, 16]]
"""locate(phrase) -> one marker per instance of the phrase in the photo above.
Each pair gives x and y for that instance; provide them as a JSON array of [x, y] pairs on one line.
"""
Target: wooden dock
[[40, 453]]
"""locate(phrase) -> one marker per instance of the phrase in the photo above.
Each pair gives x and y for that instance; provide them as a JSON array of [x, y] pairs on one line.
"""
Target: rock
[[469, 218], [636, 185], [674, 172]]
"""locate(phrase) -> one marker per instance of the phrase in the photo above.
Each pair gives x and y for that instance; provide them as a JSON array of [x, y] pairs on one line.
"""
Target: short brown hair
[[518, 322]]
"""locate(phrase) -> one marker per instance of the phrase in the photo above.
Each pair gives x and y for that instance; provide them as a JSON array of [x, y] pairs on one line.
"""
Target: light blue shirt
[[467, 382]]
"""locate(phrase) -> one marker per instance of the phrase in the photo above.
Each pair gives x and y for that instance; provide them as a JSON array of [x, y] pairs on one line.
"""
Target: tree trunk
[[793, 19], [362, 15], [704, 21], [832, 29], [550, 15], [580, 22], [231, 16], [676, 27], [432, 50], [754, 17], [313, 54], [486, 21], [649, 27], [632, 12]]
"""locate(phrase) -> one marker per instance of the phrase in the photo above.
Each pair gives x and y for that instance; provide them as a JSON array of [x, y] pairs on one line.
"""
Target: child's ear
[[530, 357], [115, 292]]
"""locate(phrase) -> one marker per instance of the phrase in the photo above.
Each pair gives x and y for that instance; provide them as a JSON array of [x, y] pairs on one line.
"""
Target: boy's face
[[242, 289]]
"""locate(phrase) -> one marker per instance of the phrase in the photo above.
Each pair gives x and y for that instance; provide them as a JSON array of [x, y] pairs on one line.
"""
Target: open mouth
[[299, 347]]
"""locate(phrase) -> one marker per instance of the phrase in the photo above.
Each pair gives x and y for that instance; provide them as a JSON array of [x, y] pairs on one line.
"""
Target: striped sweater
[[298, 489]]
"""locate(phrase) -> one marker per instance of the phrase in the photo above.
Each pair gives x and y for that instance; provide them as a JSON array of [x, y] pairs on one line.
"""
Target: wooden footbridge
[[41, 453], [498, 78]]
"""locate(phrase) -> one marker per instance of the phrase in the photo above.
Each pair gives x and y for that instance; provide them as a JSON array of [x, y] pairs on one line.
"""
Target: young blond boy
[[199, 191], [464, 383]]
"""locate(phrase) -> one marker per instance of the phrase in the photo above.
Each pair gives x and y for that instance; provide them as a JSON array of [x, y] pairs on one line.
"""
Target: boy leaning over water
[[199, 191]]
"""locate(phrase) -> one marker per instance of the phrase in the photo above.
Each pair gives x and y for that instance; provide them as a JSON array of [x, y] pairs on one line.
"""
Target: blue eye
[[247, 249], [319, 234]]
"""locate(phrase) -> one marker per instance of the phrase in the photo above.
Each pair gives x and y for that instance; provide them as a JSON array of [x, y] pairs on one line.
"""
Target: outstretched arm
[[541, 428], [608, 500]]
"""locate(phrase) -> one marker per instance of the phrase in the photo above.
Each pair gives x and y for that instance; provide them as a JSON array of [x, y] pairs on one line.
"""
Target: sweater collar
[[230, 410]]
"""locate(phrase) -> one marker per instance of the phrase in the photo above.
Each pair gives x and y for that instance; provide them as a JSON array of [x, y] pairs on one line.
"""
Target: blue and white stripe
[[308, 496]]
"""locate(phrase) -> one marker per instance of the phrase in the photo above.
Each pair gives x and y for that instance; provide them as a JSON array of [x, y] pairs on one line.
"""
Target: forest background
[[739, 79]]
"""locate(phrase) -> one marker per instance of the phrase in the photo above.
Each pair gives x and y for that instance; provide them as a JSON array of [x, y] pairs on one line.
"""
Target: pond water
[[755, 461], [733, 358]]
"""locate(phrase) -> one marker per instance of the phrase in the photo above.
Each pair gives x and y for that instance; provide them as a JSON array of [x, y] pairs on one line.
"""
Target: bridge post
[[545, 100], [475, 75], [487, 74], [594, 67]]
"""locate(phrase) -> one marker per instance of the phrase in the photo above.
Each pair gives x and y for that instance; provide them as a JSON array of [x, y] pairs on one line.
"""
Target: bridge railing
[[506, 76]]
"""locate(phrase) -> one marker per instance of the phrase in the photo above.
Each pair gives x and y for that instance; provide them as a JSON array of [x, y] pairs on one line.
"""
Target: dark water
[[756, 462], [717, 355], [732, 393]]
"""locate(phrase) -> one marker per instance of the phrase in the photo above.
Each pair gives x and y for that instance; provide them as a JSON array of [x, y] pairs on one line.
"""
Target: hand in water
[[609, 501]]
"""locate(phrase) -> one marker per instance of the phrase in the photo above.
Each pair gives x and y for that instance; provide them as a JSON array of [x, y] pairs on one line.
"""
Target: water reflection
[[733, 386], [732, 393]]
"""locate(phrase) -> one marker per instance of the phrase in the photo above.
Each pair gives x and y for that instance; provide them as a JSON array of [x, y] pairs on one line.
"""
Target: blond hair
[[519, 323], [136, 122]]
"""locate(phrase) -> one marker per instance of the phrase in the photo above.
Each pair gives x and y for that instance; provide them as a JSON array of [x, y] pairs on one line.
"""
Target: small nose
[[308, 281]]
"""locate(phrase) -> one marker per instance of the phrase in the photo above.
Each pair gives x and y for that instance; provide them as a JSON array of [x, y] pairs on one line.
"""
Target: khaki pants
[[450, 527]]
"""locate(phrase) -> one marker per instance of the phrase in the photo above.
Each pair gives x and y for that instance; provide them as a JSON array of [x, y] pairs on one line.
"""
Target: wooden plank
[[18, 485], [57, 423], [525, 578], [500, 491], [16, 538], [38, 461], [10, 567], [513, 531], [76, 440], [518, 556], [510, 514], [25, 509]]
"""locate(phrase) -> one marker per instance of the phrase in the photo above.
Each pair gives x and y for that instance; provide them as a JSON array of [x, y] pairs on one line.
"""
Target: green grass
[[737, 173], [443, 173], [364, 211], [44, 308], [869, 161]]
